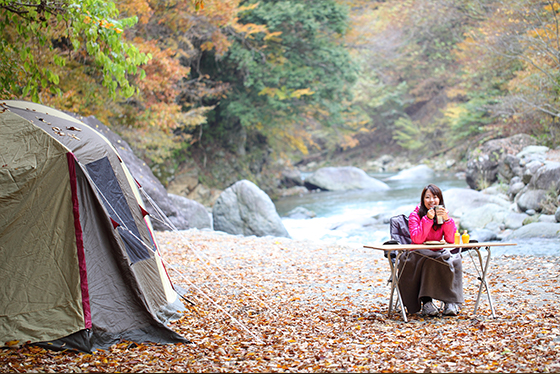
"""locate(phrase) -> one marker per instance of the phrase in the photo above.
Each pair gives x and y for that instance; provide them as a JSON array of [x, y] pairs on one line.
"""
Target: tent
[[79, 264]]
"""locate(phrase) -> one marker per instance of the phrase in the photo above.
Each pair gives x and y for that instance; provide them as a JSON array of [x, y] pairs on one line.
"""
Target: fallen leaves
[[285, 306]]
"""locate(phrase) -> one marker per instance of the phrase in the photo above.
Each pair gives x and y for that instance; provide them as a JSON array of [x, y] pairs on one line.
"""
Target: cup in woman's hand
[[439, 216]]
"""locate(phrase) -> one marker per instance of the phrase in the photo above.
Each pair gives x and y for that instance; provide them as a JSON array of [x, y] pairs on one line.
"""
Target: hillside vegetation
[[243, 89]]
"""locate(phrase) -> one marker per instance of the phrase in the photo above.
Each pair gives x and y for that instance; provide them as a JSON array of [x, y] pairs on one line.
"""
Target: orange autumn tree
[[511, 60], [173, 34]]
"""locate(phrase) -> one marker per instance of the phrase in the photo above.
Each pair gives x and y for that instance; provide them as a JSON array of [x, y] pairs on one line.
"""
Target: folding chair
[[400, 234]]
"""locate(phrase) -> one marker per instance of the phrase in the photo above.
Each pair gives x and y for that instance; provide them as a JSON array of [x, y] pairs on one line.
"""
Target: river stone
[[515, 188], [530, 200], [482, 216], [546, 177], [515, 220], [483, 235], [245, 209], [460, 201], [537, 230], [195, 212], [291, 178], [547, 218], [300, 213], [414, 173], [533, 152], [530, 170], [343, 178]]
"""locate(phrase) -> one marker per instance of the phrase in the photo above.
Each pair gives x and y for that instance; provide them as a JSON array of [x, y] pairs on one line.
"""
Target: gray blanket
[[427, 273]]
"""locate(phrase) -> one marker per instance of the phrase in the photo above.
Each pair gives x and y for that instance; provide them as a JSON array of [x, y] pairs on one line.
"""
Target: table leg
[[483, 282], [395, 286]]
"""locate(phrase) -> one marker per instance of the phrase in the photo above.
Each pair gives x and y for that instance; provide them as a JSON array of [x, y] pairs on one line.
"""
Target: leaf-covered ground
[[279, 305]]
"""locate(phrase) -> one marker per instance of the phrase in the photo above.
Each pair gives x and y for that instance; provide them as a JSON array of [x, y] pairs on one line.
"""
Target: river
[[340, 215]]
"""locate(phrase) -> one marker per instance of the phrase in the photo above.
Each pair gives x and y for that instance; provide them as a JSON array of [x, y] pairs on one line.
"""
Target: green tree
[[39, 37], [295, 76]]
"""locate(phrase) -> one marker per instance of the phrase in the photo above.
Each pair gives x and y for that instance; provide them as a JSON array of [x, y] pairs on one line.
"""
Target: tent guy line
[[198, 252]]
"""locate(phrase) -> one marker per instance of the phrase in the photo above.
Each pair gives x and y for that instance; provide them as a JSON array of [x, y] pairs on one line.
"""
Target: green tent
[[79, 264]]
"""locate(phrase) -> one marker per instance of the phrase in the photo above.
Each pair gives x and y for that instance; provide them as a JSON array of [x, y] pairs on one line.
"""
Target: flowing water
[[357, 217]]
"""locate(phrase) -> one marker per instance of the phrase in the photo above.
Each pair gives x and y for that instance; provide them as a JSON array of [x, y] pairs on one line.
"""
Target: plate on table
[[435, 242]]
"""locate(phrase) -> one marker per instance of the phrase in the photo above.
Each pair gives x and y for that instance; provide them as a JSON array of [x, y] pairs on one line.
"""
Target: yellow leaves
[[554, 7], [249, 28], [283, 93]]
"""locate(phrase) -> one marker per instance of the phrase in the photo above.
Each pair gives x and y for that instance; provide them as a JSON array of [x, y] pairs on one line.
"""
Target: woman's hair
[[435, 190]]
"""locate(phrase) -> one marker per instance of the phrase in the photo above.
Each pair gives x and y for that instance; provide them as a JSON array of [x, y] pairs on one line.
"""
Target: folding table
[[402, 248]]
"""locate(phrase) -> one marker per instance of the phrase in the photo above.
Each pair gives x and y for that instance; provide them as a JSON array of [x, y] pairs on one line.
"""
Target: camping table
[[402, 248]]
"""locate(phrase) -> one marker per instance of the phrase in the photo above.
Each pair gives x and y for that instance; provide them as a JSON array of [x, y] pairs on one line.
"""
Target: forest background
[[246, 89]]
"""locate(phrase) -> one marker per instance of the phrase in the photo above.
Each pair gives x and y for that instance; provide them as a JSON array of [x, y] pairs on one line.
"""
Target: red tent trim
[[79, 240]]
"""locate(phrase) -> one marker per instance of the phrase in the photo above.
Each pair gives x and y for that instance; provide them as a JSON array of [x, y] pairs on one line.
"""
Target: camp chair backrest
[[399, 229]]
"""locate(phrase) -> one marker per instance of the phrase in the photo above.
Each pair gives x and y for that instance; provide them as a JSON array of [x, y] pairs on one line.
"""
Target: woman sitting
[[428, 274]]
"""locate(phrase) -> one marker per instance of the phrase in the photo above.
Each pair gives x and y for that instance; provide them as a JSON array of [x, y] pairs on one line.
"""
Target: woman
[[427, 274]]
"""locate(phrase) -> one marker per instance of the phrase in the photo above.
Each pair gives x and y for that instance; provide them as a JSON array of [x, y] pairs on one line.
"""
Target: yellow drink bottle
[[465, 237], [457, 237]]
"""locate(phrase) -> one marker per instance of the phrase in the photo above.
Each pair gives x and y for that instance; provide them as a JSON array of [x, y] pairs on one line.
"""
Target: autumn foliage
[[278, 305]]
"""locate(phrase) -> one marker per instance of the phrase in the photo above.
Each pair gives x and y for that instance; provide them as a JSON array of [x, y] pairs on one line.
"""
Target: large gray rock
[[245, 209], [460, 201], [196, 213], [157, 194], [530, 199], [291, 178], [481, 217], [483, 235], [300, 213], [537, 230], [533, 152], [343, 178], [547, 177], [418, 172], [514, 220], [530, 169]]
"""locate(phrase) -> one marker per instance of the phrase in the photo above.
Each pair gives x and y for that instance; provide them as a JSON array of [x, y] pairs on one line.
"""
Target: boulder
[[483, 235], [300, 213], [157, 194], [514, 220], [532, 152], [486, 162], [537, 230], [547, 218], [195, 212], [529, 199], [291, 178], [460, 201], [245, 209], [515, 188], [418, 172], [547, 177], [481, 217], [530, 170], [343, 178], [293, 191]]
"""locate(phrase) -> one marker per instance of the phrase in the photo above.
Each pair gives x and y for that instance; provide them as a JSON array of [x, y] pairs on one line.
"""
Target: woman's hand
[[431, 213], [442, 212]]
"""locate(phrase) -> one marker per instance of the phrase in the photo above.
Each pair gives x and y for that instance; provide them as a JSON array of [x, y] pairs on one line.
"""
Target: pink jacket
[[421, 229]]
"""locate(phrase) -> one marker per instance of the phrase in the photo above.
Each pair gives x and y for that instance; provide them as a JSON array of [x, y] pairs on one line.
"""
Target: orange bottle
[[457, 237], [465, 237]]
